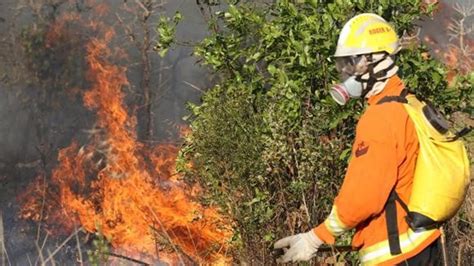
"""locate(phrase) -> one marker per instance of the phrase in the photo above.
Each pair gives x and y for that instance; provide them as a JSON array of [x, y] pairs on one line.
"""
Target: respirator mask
[[350, 87], [359, 74]]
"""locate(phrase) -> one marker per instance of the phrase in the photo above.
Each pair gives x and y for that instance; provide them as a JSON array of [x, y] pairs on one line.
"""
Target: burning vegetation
[[117, 186]]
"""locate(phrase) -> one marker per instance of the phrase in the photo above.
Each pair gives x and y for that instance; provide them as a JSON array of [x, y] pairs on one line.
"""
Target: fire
[[457, 59], [118, 186]]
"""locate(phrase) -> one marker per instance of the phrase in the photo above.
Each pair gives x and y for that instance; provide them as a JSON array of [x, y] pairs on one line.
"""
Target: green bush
[[268, 144]]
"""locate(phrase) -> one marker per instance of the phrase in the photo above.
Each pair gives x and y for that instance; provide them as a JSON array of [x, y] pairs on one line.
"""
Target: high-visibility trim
[[380, 252], [334, 224]]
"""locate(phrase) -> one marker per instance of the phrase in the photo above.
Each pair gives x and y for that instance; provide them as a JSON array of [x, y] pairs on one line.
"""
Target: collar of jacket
[[393, 87]]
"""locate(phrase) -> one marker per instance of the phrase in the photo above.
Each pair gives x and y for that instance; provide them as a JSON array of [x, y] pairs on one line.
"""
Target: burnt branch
[[127, 258]]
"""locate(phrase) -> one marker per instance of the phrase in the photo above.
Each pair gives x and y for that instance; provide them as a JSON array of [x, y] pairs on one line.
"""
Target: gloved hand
[[298, 247]]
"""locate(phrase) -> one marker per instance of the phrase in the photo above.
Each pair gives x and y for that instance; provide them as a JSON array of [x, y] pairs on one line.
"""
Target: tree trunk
[[147, 7], [147, 94]]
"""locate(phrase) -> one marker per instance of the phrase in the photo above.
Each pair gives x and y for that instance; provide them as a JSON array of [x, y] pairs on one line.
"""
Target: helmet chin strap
[[374, 77]]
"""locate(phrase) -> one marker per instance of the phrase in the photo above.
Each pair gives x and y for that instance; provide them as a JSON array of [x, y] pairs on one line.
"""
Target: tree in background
[[267, 142], [141, 35], [42, 65]]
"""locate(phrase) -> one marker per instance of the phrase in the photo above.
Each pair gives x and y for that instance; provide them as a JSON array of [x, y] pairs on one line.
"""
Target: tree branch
[[127, 258]]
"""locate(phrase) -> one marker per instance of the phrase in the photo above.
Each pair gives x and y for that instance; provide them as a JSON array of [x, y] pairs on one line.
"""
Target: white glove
[[298, 247]]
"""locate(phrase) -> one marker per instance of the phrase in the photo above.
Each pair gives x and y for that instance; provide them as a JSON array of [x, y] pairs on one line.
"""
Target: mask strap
[[374, 77], [370, 81], [383, 73], [370, 84]]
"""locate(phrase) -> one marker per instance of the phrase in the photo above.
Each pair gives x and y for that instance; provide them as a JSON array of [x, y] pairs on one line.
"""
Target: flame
[[56, 33], [116, 185], [456, 54]]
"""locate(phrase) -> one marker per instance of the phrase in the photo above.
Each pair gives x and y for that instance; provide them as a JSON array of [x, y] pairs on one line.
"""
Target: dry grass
[[460, 230], [45, 255], [460, 234], [2, 242]]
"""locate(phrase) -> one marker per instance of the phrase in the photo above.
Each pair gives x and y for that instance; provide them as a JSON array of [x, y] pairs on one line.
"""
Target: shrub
[[267, 143]]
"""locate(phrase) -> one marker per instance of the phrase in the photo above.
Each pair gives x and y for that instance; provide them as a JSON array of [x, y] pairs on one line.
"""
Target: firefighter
[[383, 157]]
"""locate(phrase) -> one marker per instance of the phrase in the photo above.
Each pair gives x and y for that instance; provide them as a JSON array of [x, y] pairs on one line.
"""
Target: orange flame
[[117, 185]]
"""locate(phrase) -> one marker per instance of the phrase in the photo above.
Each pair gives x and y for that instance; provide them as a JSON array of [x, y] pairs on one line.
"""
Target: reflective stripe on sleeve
[[333, 224], [380, 252]]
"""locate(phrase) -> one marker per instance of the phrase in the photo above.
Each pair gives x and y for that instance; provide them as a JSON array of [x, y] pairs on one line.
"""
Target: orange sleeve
[[324, 234], [371, 175]]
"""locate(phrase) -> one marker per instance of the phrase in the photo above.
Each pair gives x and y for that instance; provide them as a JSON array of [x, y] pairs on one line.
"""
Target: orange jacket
[[383, 157]]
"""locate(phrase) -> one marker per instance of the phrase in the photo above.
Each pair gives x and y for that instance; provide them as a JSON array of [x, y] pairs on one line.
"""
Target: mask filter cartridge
[[342, 92]]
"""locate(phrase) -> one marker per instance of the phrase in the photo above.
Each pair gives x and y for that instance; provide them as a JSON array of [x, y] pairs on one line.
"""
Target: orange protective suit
[[383, 157]]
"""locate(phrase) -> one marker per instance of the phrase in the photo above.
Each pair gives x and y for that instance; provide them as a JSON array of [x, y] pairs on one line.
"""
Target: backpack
[[441, 175]]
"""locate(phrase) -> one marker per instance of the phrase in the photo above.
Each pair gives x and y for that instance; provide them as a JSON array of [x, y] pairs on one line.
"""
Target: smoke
[[175, 79]]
